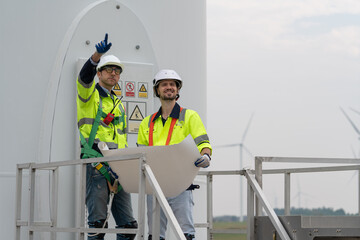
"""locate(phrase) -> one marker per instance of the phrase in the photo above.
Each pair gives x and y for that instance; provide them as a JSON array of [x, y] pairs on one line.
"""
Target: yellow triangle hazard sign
[[143, 93], [117, 87], [142, 88], [136, 114]]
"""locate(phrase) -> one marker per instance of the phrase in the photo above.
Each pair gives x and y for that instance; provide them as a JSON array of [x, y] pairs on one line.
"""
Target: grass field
[[222, 236], [229, 225]]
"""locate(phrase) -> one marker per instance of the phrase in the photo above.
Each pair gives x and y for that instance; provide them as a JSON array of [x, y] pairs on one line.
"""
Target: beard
[[170, 98]]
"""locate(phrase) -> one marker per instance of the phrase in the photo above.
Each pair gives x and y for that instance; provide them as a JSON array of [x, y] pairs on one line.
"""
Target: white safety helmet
[[166, 74], [109, 60]]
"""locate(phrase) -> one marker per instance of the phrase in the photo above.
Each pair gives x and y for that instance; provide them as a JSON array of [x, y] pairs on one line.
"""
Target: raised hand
[[103, 46]]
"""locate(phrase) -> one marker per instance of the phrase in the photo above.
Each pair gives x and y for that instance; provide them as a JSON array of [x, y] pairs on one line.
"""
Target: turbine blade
[[352, 176], [351, 122], [358, 112], [247, 150], [353, 151], [247, 128], [227, 145]]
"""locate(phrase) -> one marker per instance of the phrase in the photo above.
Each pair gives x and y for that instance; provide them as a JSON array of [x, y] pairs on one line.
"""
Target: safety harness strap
[[151, 129], [173, 121], [101, 168], [87, 150]]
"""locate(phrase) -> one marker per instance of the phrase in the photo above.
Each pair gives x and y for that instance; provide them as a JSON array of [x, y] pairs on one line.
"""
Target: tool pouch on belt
[[103, 169]]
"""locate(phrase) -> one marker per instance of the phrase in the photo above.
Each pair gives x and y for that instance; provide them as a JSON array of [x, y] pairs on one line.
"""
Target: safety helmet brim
[[109, 60], [167, 74]]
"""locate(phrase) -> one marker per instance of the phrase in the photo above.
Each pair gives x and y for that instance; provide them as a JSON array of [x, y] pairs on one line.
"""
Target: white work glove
[[203, 161]]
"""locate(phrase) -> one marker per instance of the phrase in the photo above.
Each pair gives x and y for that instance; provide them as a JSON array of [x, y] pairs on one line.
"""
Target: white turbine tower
[[242, 147], [358, 133], [355, 156]]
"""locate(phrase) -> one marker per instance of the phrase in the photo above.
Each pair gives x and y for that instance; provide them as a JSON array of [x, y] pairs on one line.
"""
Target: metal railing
[[253, 189], [288, 171], [255, 207], [80, 229], [256, 199]]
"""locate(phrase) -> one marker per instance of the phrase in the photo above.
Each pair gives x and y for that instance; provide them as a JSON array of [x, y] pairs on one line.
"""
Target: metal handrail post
[[18, 201], [80, 216], [359, 192], [141, 200], [54, 200], [287, 180], [264, 202], [31, 201], [164, 203], [209, 179], [250, 212], [258, 177]]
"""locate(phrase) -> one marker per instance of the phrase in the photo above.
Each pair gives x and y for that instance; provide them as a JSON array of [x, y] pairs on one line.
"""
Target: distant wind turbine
[[358, 132], [242, 147], [356, 172], [300, 194], [351, 122]]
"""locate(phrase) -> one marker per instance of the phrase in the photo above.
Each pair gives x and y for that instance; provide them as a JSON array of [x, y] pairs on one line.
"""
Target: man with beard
[[171, 125]]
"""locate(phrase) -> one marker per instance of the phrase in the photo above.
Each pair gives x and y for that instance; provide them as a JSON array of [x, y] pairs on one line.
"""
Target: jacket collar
[[102, 92], [175, 113]]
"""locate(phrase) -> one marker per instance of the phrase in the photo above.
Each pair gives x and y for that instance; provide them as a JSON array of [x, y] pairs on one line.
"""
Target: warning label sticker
[[143, 89], [117, 89], [137, 112], [130, 89]]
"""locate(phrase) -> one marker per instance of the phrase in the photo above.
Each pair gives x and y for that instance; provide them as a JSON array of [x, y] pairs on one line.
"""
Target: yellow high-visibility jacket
[[188, 122], [88, 101]]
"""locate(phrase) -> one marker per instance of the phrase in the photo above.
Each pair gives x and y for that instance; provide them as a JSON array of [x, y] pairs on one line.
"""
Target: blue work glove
[[203, 161], [103, 46]]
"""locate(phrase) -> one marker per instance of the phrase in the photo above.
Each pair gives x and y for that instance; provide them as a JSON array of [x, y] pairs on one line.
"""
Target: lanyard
[[151, 130]]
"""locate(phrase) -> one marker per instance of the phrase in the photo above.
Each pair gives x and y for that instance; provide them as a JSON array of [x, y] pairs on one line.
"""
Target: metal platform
[[310, 227], [259, 227]]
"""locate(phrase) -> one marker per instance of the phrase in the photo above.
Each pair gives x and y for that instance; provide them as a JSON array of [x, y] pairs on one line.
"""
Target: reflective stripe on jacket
[[188, 122], [88, 99]]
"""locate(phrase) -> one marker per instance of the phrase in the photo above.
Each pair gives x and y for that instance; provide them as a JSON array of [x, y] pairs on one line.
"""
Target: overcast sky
[[292, 64]]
